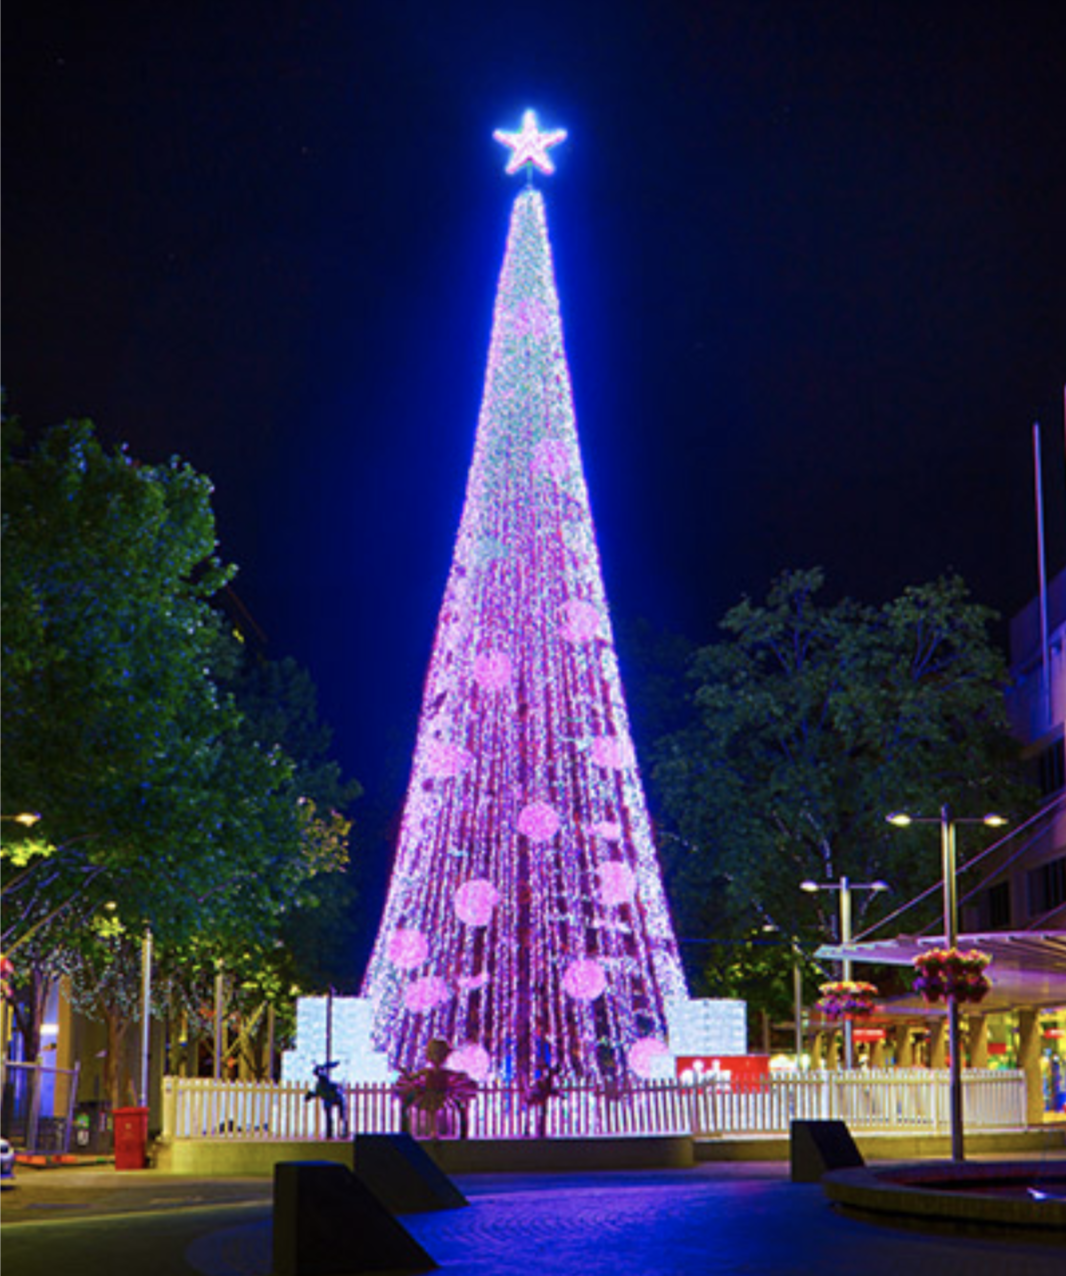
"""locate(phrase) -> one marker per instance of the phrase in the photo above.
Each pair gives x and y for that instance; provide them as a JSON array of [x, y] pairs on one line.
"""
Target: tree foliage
[[813, 722], [166, 802]]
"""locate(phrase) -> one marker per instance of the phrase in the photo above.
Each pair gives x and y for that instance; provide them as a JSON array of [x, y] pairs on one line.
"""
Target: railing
[[37, 1107], [903, 1099], [893, 1099]]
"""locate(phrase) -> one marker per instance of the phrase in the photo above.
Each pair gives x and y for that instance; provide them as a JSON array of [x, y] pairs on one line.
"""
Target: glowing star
[[584, 980], [618, 883], [646, 1055], [530, 146], [475, 900], [539, 821], [408, 948]]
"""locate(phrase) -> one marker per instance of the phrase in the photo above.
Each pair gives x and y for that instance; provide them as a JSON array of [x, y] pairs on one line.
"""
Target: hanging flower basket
[[950, 972], [847, 999]]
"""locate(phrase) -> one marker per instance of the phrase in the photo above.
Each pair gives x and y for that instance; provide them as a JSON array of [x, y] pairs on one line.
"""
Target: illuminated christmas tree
[[525, 922]]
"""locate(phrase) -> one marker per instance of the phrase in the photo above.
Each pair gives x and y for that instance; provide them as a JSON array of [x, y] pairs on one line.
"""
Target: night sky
[[810, 260]]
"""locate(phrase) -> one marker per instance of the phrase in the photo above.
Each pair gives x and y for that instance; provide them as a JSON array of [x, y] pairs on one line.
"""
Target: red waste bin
[[131, 1138]]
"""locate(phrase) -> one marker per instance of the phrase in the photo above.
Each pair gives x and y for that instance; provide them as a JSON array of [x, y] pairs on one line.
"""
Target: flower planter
[[951, 972]]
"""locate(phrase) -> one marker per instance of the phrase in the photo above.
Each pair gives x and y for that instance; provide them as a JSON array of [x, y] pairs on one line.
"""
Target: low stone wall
[[891, 1147], [229, 1158], [959, 1195], [232, 1158]]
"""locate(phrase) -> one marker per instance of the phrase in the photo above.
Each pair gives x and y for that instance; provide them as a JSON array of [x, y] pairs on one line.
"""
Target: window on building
[[997, 906], [1052, 768], [1047, 886]]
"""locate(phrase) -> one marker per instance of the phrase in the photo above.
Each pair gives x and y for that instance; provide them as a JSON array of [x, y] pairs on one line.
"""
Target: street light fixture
[[845, 887], [26, 818], [947, 822]]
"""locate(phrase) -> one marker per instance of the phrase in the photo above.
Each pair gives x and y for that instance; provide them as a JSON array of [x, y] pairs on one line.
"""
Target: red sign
[[868, 1034], [741, 1072]]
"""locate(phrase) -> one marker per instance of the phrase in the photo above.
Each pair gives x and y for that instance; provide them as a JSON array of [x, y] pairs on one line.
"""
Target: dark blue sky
[[810, 259]]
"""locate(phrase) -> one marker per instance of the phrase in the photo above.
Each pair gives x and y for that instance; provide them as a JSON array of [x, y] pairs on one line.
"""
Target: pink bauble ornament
[[611, 752], [538, 821], [446, 760], [645, 1054], [584, 979], [472, 1059], [492, 670], [618, 883], [475, 900], [580, 621], [609, 830], [551, 457], [408, 948], [425, 994]]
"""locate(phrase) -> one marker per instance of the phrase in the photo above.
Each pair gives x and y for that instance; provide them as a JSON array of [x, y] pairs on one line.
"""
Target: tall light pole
[[845, 887], [949, 863]]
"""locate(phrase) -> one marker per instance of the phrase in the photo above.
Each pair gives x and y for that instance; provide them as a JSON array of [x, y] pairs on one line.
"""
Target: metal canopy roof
[[1028, 968]]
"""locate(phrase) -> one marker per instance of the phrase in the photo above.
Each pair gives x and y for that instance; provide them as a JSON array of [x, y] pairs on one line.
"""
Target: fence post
[[169, 1104], [72, 1094]]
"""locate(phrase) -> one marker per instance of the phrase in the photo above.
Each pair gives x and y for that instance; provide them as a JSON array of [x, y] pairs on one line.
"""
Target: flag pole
[[1041, 566]]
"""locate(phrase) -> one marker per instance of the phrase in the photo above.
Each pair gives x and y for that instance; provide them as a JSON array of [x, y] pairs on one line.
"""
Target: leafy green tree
[[158, 797], [813, 722], [112, 729], [279, 702]]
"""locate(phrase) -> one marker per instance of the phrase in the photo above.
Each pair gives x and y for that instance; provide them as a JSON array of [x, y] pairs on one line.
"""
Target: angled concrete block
[[403, 1176], [327, 1222], [819, 1146]]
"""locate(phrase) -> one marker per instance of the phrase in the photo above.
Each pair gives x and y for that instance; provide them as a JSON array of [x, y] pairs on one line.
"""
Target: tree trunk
[[115, 1070]]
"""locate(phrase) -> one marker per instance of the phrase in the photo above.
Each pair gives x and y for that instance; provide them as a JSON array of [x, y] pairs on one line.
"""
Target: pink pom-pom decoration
[[492, 670], [472, 1059], [475, 900], [609, 830], [425, 994], [580, 621], [408, 948], [446, 760], [618, 883], [644, 1054], [551, 457], [538, 821], [584, 979], [611, 752]]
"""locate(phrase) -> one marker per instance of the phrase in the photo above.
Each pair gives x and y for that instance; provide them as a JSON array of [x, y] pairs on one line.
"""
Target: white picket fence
[[891, 1099]]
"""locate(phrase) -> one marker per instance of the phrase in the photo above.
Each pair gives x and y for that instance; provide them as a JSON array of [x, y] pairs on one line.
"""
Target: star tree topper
[[530, 146]]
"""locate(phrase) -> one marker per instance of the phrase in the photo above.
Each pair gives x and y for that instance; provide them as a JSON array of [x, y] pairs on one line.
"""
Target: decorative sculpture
[[329, 1093], [435, 1098]]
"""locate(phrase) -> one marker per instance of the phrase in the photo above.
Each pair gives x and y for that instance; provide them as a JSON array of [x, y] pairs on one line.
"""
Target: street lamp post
[[845, 887], [949, 864]]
